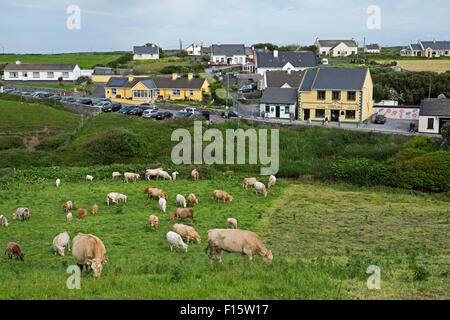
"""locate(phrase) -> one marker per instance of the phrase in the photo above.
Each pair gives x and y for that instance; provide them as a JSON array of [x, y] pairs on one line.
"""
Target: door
[[277, 111], [334, 115], [306, 114]]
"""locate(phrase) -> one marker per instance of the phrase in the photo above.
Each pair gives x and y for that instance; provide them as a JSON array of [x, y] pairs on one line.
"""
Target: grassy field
[[434, 65], [323, 237], [65, 86], [154, 67], [84, 60]]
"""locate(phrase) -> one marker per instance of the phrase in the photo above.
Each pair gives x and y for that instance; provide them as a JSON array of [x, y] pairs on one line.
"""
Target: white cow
[[60, 242], [175, 241], [181, 200], [174, 175], [89, 178], [162, 204], [58, 182]]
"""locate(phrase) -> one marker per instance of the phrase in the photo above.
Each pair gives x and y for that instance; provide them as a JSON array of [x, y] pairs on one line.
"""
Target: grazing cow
[[194, 175], [153, 221], [162, 204], [180, 200], [131, 176], [248, 182], [192, 199], [112, 197], [155, 192], [67, 206], [69, 216], [116, 174], [82, 212], [123, 198], [94, 209], [152, 173], [245, 242], [222, 195], [22, 213], [231, 222], [272, 181], [183, 213], [89, 178], [13, 250], [260, 188], [163, 174], [187, 231], [89, 250], [175, 241], [3, 221], [58, 182], [174, 175], [60, 242]]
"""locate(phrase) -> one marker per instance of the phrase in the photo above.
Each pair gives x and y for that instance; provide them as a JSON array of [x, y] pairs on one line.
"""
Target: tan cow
[[88, 250], [222, 195], [192, 199], [152, 173], [248, 182], [244, 242], [194, 175], [187, 231], [155, 192], [131, 176]]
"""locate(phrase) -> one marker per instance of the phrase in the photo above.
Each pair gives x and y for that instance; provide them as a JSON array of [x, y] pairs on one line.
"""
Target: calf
[[222, 195], [180, 200], [192, 199], [94, 209], [175, 241], [67, 206], [153, 221], [89, 178], [60, 242], [13, 250], [3, 221], [82, 212]]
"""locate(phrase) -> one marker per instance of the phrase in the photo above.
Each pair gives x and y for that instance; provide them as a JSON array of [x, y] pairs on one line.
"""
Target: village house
[[429, 49], [228, 54], [137, 90], [46, 73], [336, 94], [146, 52], [433, 114], [194, 50], [282, 79], [279, 103], [336, 48], [372, 48]]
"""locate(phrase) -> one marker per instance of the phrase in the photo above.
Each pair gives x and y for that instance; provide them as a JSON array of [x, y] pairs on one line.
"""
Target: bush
[[11, 142], [123, 59], [422, 143], [361, 171], [83, 81], [445, 131]]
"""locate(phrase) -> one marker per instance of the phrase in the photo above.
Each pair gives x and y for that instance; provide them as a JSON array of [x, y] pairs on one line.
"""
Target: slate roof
[[228, 50], [334, 79], [278, 78], [301, 59], [279, 95], [334, 43], [102, 71], [374, 46], [40, 67], [206, 50], [145, 50], [437, 45], [156, 82], [416, 47], [435, 107]]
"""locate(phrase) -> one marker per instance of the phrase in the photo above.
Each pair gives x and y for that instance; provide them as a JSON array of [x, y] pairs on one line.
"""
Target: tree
[[60, 81], [182, 54], [445, 131], [269, 46]]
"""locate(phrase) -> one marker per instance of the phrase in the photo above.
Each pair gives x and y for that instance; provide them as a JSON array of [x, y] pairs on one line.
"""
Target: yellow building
[[137, 90], [335, 94]]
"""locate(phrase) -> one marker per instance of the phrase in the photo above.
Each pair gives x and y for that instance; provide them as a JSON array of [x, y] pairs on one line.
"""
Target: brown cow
[[94, 209], [222, 195], [82, 212], [13, 250], [89, 250], [183, 213]]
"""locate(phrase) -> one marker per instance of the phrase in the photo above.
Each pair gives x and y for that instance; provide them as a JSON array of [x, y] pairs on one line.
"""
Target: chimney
[[190, 76], [130, 77], [174, 76], [275, 53]]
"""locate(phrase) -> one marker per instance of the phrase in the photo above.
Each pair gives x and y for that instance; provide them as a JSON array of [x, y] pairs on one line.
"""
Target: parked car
[[200, 114], [149, 113], [7, 90], [325, 61], [229, 114], [162, 115], [183, 113], [16, 92], [126, 109], [149, 105], [190, 109], [68, 99], [26, 93], [380, 119], [42, 95], [87, 101], [103, 99], [101, 103], [136, 112], [112, 107], [246, 88], [56, 97]]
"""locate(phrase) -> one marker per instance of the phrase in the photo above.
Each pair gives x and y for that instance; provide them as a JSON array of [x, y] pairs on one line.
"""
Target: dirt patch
[[31, 143]]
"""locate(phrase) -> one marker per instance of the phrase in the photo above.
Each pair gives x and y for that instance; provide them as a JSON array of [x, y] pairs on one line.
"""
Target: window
[[65, 74], [140, 94], [336, 95], [158, 93], [267, 109], [36, 75], [321, 95], [286, 110], [25, 74], [320, 113], [350, 114], [430, 124], [13, 74], [176, 92], [50, 75], [351, 95], [113, 91], [191, 93], [353, 52], [324, 52]]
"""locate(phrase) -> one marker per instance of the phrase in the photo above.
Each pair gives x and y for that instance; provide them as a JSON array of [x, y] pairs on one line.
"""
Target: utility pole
[[181, 45]]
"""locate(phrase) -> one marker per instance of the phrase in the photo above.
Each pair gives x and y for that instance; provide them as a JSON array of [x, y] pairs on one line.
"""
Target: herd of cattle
[[89, 251]]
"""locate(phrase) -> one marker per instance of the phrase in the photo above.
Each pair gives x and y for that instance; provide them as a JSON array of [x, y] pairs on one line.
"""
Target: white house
[[429, 49], [433, 114], [372, 48], [41, 72], [337, 48], [194, 50], [279, 103], [146, 52], [228, 54]]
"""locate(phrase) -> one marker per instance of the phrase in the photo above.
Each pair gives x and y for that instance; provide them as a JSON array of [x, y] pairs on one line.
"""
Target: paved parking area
[[393, 125]]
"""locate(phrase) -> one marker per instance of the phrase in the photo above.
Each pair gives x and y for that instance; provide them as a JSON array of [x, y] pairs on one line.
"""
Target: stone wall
[[34, 89], [177, 107], [82, 109]]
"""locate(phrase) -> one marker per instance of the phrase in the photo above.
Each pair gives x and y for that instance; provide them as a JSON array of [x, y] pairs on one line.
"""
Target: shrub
[[421, 142], [123, 59], [11, 142], [445, 131], [83, 81], [361, 171]]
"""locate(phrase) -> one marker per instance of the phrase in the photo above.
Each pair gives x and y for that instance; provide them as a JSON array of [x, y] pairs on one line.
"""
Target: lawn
[[434, 65], [155, 67], [65, 86], [84, 60], [323, 237]]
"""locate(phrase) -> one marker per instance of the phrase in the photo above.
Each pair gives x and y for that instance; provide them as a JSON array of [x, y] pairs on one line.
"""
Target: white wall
[[272, 114], [423, 124], [146, 56], [395, 112], [343, 49], [237, 59], [73, 75]]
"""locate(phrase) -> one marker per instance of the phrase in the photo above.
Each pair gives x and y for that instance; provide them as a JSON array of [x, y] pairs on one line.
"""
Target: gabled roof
[[40, 67], [415, 46], [435, 107], [334, 43], [280, 95], [145, 50], [334, 79], [436, 45], [278, 78], [301, 59], [206, 50], [150, 84], [228, 50], [158, 82], [374, 46]]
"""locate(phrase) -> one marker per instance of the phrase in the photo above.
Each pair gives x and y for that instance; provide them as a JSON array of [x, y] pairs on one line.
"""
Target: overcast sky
[[30, 26]]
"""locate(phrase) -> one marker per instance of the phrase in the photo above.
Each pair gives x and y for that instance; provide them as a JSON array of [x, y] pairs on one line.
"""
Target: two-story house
[[194, 50], [336, 93], [228, 54], [336, 48]]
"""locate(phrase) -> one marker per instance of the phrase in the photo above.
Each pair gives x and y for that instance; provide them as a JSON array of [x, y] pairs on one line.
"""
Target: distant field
[[84, 60], [156, 66], [438, 66]]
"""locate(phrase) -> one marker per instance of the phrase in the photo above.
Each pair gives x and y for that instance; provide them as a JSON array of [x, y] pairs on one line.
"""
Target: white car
[[149, 113], [191, 110], [324, 61]]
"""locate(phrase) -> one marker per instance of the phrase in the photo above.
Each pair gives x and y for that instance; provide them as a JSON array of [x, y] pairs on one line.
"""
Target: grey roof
[[374, 46], [40, 67], [334, 79], [277, 79], [145, 50], [415, 46], [301, 59], [436, 45], [280, 95], [248, 51], [206, 50], [435, 107], [228, 50], [102, 71], [150, 84], [156, 82], [334, 43]]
